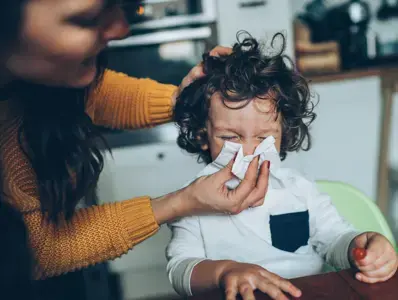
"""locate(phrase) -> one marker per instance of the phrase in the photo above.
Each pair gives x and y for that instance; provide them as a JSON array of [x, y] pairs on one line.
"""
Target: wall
[[357, 103], [345, 134]]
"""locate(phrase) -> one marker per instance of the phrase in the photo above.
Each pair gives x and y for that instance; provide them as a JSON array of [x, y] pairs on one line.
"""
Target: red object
[[359, 253]]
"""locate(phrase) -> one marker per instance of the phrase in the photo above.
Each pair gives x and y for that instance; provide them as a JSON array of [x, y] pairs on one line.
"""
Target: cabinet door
[[152, 170], [261, 18]]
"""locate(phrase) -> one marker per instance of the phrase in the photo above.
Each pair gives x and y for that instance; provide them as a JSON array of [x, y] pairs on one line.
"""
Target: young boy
[[251, 105]]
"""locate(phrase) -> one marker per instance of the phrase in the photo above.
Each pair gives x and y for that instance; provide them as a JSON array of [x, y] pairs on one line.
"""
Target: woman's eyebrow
[[90, 8]]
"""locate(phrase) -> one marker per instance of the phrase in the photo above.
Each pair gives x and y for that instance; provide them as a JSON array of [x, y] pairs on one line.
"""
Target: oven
[[167, 39]]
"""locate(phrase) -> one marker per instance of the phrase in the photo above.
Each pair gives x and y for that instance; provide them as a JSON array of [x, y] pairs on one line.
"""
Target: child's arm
[[240, 278], [190, 272], [335, 240], [184, 252], [330, 233]]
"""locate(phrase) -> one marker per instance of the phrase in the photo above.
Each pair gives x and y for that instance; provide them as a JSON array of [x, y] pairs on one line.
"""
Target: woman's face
[[60, 40]]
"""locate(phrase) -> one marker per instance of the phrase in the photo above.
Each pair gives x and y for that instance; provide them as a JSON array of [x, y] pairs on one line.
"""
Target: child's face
[[248, 126]]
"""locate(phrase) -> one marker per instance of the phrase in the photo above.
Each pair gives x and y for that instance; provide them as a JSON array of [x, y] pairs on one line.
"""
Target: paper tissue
[[266, 150]]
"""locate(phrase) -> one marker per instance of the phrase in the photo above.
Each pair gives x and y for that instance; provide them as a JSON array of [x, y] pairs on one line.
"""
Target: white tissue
[[266, 150]]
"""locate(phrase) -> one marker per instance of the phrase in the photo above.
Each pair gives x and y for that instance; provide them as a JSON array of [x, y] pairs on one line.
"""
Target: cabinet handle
[[252, 4]]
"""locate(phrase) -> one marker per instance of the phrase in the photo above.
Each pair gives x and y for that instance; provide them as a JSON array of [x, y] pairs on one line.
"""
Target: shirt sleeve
[[330, 234], [184, 252]]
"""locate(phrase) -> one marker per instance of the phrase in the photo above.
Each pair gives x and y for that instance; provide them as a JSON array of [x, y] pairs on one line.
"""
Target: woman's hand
[[244, 279], [380, 259], [209, 194], [197, 71]]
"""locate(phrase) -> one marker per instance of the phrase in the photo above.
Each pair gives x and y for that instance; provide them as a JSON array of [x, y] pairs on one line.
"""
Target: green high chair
[[357, 208]]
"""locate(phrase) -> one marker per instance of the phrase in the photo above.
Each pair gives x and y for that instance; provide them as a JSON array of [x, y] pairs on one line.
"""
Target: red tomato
[[359, 253]]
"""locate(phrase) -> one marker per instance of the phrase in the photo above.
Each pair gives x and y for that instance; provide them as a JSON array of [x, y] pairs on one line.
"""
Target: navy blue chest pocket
[[290, 231]]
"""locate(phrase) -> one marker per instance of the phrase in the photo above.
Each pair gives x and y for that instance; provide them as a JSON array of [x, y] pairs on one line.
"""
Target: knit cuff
[[338, 256], [139, 219], [160, 107]]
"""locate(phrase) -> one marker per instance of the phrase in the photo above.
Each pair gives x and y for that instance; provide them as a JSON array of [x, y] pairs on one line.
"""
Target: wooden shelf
[[353, 74]]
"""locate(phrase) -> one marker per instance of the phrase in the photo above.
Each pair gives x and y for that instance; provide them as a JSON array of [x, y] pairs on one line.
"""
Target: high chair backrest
[[356, 208]]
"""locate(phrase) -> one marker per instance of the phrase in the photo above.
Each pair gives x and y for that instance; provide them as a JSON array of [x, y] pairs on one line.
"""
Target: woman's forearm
[[169, 207]]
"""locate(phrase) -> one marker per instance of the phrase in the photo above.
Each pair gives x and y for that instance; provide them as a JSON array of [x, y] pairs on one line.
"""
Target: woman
[[53, 92]]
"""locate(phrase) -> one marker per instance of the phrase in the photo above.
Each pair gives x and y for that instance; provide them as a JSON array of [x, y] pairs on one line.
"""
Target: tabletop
[[328, 286]]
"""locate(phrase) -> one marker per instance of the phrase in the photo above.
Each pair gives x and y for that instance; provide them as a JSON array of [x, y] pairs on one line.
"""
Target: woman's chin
[[86, 77]]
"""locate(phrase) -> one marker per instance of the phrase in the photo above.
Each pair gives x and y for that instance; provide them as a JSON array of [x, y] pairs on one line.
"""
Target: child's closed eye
[[229, 137]]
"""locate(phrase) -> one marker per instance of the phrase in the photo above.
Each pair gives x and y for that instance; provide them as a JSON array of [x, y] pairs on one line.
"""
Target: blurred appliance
[[388, 9], [346, 23], [167, 38]]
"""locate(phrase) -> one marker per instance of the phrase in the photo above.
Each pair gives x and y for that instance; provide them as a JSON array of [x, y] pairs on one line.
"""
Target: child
[[253, 105]]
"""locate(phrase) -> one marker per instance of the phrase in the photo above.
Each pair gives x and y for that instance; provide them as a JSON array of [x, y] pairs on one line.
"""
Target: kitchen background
[[355, 134]]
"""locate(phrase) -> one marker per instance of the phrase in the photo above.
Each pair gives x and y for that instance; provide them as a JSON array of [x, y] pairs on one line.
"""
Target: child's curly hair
[[245, 74]]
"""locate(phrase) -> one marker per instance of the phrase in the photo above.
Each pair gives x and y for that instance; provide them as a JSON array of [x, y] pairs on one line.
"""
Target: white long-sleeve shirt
[[292, 234]]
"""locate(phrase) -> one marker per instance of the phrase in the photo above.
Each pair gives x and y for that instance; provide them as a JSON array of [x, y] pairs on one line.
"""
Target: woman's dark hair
[[247, 73], [61, 142]]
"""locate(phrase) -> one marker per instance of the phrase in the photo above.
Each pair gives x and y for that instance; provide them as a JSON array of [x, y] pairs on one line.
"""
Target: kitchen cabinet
[[262, 19], [153, 170], [345, 134]]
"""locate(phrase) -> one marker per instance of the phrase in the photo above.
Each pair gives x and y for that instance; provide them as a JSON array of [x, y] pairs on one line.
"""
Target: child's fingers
[[377, 263], [368, 262], [271, 290], [381, 271], [231, 292], [366, 279], [361, 241], [246, 291], [375, 250], [281, 283]]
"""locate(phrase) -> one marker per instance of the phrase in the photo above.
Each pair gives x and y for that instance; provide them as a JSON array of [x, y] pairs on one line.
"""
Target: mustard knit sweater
[[97, 233]]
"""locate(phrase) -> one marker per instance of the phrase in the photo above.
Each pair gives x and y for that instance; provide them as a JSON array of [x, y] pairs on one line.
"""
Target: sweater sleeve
[[331, 234], [123, 102], [93, 235]]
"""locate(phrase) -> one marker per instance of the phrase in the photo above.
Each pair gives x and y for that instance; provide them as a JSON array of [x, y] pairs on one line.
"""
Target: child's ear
[[201, 137], [205, 147]]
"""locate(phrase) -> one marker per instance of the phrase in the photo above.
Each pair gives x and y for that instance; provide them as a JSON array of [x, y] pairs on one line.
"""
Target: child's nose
[[249, 148]]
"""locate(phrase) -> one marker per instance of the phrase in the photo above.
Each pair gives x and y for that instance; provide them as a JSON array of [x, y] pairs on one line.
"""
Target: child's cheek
[[215, 147]]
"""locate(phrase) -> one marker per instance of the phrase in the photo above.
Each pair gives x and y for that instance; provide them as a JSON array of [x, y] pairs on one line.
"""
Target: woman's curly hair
[[247, 73]]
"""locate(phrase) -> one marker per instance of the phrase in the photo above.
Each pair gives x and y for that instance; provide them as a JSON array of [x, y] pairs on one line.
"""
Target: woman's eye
[[87, 22]]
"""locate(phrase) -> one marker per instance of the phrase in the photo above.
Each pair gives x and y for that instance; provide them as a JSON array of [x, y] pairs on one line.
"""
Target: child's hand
[[380, 259], [244, 279]]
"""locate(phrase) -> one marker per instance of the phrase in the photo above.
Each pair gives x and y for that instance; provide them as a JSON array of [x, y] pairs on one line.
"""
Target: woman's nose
[[115, 26]]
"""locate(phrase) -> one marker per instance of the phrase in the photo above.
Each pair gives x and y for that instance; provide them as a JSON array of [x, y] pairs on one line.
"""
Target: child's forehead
[[255, 106], [257, 112]]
